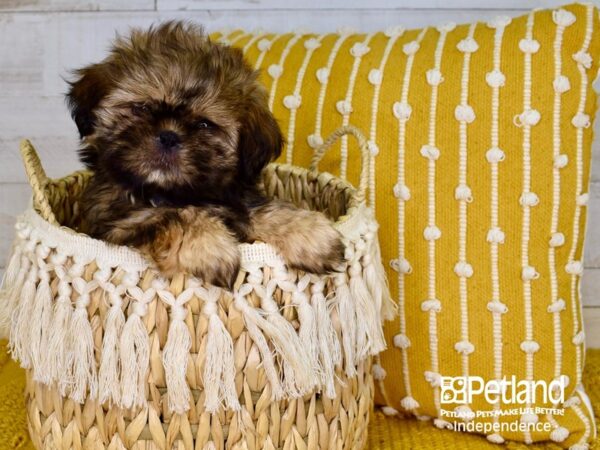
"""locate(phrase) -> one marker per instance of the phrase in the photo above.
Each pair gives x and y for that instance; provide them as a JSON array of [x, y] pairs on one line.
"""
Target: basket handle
[[38, 180], [364, 155]]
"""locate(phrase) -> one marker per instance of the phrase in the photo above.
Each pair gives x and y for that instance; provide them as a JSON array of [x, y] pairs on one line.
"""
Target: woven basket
[[118, 357]]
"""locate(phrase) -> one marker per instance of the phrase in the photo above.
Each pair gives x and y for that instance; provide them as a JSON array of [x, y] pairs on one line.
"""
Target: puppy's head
[[169, 108]]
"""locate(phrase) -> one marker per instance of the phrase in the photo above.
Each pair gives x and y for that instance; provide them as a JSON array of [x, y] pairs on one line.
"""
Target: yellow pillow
[[480, 164]]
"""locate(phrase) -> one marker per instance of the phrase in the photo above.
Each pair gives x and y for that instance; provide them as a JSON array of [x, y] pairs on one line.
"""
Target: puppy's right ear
[[85, 93]]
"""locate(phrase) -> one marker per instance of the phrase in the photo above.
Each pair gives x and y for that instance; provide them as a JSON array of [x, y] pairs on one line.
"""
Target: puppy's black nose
[[169, 140]]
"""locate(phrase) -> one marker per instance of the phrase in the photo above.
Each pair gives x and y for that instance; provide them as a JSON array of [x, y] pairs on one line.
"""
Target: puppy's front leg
[[306, 239], [191, 240]]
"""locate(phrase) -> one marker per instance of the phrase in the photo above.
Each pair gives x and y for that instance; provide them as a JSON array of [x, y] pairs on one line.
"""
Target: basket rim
[[351, 225]]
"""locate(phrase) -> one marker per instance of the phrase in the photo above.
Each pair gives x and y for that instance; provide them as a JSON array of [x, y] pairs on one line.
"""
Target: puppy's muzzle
[[169, 141]]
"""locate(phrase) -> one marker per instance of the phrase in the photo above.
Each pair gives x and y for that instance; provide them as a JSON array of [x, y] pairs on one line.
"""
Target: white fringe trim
[[81, 367], [176, 351], [13, 278], [219, 363], [375, 276], [110, 367], [134, 350], [296, 366], [347, 317], [55, 338], [39, 330], [330, 354], [19, 332]]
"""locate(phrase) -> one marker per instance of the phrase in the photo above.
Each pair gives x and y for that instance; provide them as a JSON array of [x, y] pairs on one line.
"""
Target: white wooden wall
[[41, 40]]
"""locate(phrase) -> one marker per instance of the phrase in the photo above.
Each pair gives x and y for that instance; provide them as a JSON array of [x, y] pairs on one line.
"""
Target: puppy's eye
[[139, 109], [206, 124]]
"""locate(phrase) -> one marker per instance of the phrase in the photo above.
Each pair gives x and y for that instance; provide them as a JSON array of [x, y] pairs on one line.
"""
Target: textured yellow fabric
[[482, 143], [385, 433], [13, 424]]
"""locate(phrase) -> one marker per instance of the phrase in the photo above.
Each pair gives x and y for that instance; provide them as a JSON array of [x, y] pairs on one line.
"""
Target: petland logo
[[462, 390]]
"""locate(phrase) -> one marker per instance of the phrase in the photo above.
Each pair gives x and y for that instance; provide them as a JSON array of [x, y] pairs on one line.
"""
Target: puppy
[[177, 131]]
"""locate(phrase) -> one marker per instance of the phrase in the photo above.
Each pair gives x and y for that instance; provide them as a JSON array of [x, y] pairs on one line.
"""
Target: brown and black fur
[[177, 131]]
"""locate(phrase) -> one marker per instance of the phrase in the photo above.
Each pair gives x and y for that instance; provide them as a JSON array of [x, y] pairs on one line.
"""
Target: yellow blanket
[[384, 433]]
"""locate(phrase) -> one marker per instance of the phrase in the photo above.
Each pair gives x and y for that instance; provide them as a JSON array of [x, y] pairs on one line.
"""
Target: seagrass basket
[[118, 357]]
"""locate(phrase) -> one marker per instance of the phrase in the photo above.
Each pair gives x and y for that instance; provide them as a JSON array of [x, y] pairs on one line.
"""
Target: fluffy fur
[[177, 130]]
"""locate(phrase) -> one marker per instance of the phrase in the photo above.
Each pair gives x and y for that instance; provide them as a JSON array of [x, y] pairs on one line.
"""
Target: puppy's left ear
[[85, 93], [260, 139]]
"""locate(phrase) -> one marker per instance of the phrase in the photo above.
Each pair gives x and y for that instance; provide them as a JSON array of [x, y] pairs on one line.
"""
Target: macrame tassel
[[219, 368], [374, 288], [250, 319], [177, 348], [134, 350], [21, 320], [298, 353], [298, 376], [285, 329], [134, 354], [41, 319], [375, 277], [13, 268], [330, 354], [13, 280], [82, 363], [175, 359], [57, 352], [109, 388], [8, 287], [369, 336], [219, 363], [348, 322], [308, 324]]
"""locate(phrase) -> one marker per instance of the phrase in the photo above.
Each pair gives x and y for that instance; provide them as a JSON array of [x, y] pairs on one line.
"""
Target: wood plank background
[[42, 40]]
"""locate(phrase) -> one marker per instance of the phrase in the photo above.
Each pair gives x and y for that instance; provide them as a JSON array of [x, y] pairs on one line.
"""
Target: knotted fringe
[[12, 281], [134, 350], [251, 317], [298, 376], [375, 290], [81, 367], [41, 319], [219, 362], [348, 322], [330, 354], [13, 268], [306, 317], [175, 356], [375, 277], [14, 265], [57, 342], [175, 353], [308, 323], [219, 368], [57, 353], [109, 388], [273, 316], [10, 297], [7, 289], [369, 335], [21, 320]]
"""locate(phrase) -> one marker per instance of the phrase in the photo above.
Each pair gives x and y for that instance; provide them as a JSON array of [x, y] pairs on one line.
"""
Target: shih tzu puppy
[[176, 130]]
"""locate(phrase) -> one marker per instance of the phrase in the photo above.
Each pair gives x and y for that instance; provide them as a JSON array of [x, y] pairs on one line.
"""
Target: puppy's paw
[[213, 257], [312, 244], [320, 258], [199, 244]]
